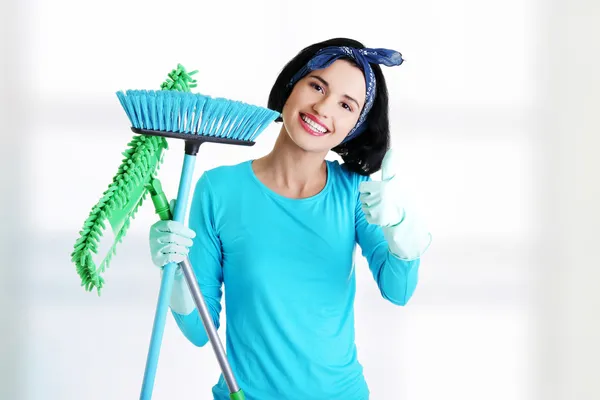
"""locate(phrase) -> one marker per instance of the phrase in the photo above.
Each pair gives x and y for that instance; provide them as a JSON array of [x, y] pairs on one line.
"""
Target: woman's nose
[[322, 108]]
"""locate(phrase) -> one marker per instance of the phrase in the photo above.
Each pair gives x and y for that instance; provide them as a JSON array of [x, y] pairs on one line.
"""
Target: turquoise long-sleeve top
[[286, 267]]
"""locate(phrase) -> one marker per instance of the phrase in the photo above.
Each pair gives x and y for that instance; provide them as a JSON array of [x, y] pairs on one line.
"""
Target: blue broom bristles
[[194, 114]]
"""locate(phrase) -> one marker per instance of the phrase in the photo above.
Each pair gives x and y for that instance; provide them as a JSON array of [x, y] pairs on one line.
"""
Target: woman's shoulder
[[224, 177], [345, 175], [228, 170]]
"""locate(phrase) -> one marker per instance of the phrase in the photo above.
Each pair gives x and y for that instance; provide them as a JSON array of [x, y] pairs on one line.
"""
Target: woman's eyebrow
[[326, 84]]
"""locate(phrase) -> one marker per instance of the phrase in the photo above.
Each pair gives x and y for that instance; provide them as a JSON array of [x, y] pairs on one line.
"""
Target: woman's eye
[[347, 107], [316, 87]]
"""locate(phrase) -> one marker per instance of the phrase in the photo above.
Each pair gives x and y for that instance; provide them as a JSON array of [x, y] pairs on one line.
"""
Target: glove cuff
[[181, 300]]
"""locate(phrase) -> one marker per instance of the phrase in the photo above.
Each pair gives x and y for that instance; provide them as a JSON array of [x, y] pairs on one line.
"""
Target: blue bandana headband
[[363, 57]]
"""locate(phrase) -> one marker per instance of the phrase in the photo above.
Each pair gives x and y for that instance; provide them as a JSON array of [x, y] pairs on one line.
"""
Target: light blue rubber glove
[[170, 241], [384, 204]]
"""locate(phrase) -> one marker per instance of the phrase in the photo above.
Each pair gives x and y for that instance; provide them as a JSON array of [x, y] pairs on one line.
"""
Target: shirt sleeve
[[396, 278], [206, 259]]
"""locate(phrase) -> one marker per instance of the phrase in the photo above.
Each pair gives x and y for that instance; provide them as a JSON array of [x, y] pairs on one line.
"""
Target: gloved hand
[[170, 241], [385, 205]]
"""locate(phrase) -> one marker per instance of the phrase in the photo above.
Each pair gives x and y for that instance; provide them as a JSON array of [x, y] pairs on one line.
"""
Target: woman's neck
[[291, 171]]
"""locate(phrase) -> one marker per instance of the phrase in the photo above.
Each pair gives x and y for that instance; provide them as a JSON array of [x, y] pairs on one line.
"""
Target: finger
[[174, 249], [177, 228], [369, 186], [366, 212], [371, 215], [375, 217], [370, 200], [172, 238], [368, 218]]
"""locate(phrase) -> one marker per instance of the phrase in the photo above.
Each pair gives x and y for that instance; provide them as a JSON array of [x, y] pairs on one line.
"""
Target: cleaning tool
[[118, 205], [196, 119]]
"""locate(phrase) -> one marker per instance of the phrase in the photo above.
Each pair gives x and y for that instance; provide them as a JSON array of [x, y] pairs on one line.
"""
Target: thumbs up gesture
[[380, 200], [384, 204]]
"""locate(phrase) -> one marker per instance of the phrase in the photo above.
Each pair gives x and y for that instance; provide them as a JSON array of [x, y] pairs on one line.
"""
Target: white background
[[493, 114]]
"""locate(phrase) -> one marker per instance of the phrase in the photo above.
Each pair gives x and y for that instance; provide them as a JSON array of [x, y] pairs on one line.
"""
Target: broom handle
[[166, 284]]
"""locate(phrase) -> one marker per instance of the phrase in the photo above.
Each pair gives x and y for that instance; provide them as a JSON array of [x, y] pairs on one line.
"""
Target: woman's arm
[[396, 278]]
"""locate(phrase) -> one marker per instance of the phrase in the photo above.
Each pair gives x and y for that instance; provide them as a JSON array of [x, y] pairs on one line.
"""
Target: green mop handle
[[161, 206], [159, 199]]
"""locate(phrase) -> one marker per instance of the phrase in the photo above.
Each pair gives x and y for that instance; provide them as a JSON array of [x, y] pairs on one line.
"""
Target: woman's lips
[[313, 127]]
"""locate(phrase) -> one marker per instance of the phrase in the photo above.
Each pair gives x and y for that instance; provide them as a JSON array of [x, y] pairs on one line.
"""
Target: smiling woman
[[290, 314], [320, 105], [354, 80]]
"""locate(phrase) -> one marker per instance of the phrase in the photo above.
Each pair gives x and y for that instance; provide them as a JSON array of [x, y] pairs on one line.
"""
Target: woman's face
[[324, 106]]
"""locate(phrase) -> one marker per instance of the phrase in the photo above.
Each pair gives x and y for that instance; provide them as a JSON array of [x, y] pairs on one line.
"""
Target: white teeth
[[313, 124]]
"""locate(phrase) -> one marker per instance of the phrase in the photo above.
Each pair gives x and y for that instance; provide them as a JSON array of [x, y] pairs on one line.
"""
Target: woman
[[279, 232]]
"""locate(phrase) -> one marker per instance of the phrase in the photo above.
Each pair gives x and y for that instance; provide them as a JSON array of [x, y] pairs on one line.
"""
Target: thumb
[[172, 207], [389, 165]]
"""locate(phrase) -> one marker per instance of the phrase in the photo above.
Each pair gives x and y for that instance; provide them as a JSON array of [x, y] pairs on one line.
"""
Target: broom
[[196, 119], [96, 245]]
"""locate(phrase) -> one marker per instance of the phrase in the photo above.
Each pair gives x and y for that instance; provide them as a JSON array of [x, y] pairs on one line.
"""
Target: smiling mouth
[[312, 127]]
